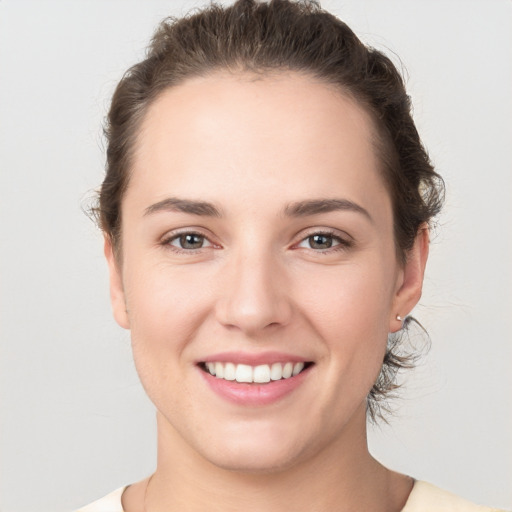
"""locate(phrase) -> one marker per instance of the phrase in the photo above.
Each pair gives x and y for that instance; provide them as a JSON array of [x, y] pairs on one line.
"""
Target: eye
[[321, 241], [324, 242], [189, 241]]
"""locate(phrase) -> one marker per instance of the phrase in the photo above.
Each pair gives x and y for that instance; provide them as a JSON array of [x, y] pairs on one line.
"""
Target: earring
[[399, 318]]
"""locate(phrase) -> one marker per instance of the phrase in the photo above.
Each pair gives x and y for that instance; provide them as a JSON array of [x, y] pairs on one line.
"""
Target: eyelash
[[342, 243], [166, 242]]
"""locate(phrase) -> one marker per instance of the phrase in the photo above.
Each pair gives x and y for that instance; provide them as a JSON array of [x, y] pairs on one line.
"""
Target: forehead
[[286, 130], [224, 103]]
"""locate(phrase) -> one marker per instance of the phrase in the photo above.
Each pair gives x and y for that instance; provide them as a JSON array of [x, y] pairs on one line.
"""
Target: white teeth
[[287, 370], [261, 374], [219, 370], [276, 372], [297, 368], [229, 371], [243, 373]]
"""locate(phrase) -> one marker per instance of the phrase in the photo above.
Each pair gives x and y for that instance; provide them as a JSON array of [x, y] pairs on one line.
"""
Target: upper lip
[[253, 359]]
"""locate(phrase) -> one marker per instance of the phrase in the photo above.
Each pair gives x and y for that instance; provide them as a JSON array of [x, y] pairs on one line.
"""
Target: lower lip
[[254, 394]]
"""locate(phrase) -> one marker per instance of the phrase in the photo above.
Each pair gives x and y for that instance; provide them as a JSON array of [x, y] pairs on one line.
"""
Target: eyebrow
[[316, 206], [295, 209], [174, 204]]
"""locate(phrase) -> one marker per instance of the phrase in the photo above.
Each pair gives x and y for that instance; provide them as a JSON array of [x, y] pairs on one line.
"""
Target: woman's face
[[257, 238]]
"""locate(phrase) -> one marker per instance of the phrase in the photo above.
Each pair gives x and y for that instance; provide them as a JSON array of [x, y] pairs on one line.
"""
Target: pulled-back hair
[[281, 35]]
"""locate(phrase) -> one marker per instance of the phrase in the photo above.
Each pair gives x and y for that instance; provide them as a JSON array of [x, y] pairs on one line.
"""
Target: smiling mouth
[[260, 374]]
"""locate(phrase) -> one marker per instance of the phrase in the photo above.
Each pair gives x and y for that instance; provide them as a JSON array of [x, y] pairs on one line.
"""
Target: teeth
[[219, 370], [261, 374], [243, 373], [229, 371], [297, 368], [276, 372], [287, 370]]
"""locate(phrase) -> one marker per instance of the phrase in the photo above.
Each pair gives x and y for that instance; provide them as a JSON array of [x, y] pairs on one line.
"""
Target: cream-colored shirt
[[424, 497]]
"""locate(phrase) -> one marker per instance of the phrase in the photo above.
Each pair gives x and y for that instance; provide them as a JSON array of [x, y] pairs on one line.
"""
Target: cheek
[[164, 300], [349, 308], [352, 297], [166, 310]]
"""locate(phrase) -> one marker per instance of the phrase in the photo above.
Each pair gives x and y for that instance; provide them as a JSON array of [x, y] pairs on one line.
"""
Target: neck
[[343, 477]]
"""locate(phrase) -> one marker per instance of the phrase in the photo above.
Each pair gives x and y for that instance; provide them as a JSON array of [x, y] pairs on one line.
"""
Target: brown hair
[[261, 38]]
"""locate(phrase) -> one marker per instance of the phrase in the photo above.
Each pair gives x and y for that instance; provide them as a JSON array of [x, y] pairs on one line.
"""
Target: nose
[[254, 295]]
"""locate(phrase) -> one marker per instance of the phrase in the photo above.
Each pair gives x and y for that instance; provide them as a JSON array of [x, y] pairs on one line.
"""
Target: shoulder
[[109, 503], [426, 497]]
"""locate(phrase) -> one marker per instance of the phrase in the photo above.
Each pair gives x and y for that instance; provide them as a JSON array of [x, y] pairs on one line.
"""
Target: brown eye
[[324, 242], [320, 241]]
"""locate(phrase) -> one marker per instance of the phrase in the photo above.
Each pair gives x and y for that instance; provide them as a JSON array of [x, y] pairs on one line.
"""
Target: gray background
[[75, 423]]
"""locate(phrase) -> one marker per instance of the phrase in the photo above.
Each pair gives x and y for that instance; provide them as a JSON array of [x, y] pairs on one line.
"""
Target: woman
[[265, 212]]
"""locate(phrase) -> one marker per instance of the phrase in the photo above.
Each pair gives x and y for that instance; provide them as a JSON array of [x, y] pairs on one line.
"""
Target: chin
[[254, 461], [256, 451]]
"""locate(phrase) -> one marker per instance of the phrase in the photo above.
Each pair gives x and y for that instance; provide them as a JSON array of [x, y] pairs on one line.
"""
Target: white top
[[424, 497]]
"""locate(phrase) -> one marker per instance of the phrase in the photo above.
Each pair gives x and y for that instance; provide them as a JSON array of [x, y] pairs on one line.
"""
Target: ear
[[117, 297], [410, 282]]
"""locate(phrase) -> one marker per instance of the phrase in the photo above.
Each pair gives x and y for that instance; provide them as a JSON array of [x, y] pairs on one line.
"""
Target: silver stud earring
[[399, 318]]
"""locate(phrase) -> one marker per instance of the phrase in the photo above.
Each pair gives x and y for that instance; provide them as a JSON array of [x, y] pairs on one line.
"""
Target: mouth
[[259, 374]]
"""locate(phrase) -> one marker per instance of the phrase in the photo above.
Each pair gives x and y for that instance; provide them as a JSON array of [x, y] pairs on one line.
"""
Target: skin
[[252, 146]]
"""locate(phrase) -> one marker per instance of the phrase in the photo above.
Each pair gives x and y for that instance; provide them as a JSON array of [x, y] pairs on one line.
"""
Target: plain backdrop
[[75, 423]]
